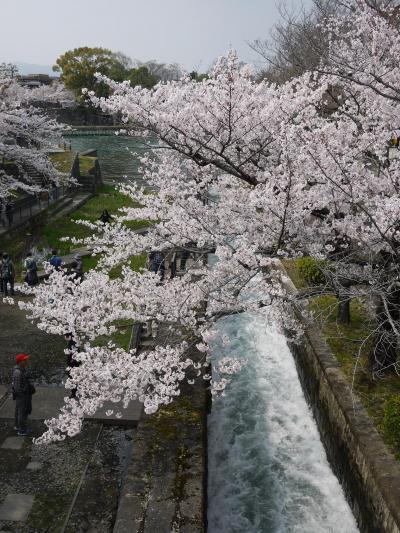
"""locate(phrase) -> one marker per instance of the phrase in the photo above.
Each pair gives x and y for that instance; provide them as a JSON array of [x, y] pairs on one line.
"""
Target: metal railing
[[15, 213]]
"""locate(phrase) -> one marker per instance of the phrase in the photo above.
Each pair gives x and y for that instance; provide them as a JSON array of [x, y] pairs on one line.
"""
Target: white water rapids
[[268, 470]]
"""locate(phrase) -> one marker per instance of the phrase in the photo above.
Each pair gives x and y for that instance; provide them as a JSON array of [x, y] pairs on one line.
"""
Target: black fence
[[15, 213]]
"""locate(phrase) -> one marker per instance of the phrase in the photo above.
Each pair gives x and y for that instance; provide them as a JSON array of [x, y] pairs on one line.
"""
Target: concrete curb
[[164, 486], [125, 520]]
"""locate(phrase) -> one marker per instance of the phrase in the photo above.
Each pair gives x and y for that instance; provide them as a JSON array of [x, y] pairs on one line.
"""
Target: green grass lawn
[[86, 163], [351, 345], [43, 233], [107, 197], [63, 161]]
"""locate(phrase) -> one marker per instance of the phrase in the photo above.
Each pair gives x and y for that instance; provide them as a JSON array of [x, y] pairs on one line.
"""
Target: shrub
[[311, 270], [391, 419]]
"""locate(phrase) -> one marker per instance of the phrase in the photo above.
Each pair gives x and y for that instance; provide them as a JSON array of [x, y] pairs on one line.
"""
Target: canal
[[118, 155], [268, 471]]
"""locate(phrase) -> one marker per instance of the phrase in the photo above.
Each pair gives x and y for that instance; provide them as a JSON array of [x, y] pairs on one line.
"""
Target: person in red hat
[[22, 393]]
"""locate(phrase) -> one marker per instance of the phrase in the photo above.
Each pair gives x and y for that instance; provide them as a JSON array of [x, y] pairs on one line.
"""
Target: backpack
[[55, 261], [6, 270], [31, 266]]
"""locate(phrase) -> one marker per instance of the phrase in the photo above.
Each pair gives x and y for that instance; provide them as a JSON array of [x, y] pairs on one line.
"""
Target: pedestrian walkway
[[72, 484], [48, 401], [39, 484]]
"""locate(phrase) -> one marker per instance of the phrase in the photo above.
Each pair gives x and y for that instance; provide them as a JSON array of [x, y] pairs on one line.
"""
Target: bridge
[[93, 130]]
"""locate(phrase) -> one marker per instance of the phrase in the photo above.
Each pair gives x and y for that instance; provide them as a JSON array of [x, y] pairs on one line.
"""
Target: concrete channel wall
[[165, 484], [368, 472]]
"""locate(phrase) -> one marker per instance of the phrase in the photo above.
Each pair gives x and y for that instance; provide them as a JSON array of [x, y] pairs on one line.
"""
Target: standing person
[[77, 267], [9, 213], [105, 217], [157, 263], [30, 266], [71, 362], [183, 256], [7, 274], [22, 390], [55, 260], [3, 216]]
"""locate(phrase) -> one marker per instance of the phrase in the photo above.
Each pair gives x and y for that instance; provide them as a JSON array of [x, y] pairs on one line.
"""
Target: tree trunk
[[344, 311], [383, 356]]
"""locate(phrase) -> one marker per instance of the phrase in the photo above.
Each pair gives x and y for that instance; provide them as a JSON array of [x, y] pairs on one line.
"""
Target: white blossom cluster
[[25, 135], [250, 172]]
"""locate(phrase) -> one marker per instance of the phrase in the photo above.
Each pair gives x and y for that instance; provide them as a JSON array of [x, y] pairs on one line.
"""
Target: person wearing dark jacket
[[22, 390], [71, 362], [55, 260], [157, 263], [9, 214], [7, 273], [105, 217], [31, 277]]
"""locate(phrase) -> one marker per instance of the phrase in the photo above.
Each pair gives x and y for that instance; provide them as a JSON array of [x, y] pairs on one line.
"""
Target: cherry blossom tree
[[25, 134], [249, 172]]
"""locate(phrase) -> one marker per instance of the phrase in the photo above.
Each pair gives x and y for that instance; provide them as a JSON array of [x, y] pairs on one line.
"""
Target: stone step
[[64, 203]]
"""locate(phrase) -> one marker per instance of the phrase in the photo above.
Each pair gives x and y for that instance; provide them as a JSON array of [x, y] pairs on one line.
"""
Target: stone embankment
[[368, 472], [165, 485]]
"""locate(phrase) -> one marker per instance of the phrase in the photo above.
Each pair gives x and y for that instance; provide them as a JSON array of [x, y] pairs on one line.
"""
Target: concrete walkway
[[164, 487], [47, 402], [39, 485], [71, 486]]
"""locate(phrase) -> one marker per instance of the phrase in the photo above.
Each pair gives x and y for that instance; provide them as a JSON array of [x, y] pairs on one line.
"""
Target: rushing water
[[268, 471], [116, 154]]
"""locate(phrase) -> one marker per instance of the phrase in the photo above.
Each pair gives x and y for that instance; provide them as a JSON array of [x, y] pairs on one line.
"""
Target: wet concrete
[[91, 462], [19, 335]]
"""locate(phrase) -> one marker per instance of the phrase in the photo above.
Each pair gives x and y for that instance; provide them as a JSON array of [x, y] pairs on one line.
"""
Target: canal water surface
[[268, 471], [116, 154]]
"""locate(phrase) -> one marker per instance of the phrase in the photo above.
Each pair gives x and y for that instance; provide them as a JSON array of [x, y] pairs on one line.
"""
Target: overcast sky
[[189, 32]]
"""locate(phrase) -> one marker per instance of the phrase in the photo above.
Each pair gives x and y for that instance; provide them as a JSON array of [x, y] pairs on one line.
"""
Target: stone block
[[16, 507], [13, 443], [159, 516], [34, 465]]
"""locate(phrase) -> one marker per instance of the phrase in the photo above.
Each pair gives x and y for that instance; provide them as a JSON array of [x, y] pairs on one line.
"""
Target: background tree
[[120, 67], [163, 71], [8, 71], [142, 76], [298, 42], [79, 66], [25, 133]]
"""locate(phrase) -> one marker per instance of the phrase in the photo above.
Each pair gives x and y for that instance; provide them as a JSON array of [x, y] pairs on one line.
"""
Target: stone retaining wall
[[368, 472]]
